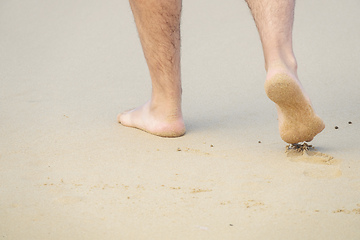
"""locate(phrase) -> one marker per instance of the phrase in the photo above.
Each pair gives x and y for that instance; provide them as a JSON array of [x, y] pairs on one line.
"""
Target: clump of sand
[[304, 152]]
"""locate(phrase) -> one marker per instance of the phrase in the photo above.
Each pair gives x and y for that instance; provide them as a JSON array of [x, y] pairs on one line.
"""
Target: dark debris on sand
[[299, 147]]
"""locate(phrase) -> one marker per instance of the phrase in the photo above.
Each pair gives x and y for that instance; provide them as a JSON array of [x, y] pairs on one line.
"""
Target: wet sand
[[68, 170]]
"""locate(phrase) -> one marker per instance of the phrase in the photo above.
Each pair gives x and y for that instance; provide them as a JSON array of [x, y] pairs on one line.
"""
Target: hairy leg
[[297, 119], [158, 24]]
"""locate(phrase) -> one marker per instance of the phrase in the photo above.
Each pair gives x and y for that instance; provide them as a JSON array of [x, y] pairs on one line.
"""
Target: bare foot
[[297, 120], [153, 120]]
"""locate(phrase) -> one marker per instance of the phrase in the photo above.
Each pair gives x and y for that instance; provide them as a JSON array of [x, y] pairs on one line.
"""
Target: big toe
[[124, 118], [118, 117]]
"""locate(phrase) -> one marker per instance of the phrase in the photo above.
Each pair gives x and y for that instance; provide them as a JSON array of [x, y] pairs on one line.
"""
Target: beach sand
[[68, 170]]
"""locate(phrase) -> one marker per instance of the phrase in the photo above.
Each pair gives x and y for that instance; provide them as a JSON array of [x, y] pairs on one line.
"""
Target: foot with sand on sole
[[298, 121]]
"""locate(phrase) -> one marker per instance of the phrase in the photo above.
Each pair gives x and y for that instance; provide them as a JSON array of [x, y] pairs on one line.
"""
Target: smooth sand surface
[[68, 170]]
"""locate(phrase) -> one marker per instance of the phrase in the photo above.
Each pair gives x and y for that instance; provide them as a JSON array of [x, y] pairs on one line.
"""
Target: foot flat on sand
[[157, 123]]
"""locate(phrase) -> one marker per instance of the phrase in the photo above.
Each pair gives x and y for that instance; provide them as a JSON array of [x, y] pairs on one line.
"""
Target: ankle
[[279, 58], [169, 110], [284, 65]]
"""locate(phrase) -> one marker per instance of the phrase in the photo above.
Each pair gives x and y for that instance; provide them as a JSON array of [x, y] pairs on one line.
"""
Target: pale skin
[[158, 24]]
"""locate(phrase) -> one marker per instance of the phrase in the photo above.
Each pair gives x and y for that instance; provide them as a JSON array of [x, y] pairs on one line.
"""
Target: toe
[[122, 117], [119, 117]]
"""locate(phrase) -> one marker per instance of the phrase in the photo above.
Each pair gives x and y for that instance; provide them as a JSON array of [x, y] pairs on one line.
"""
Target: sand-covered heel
[[282, 89]]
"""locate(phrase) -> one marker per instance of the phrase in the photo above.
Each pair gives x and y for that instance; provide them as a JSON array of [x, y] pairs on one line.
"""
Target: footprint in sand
[[321, 165], [66, 200]]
